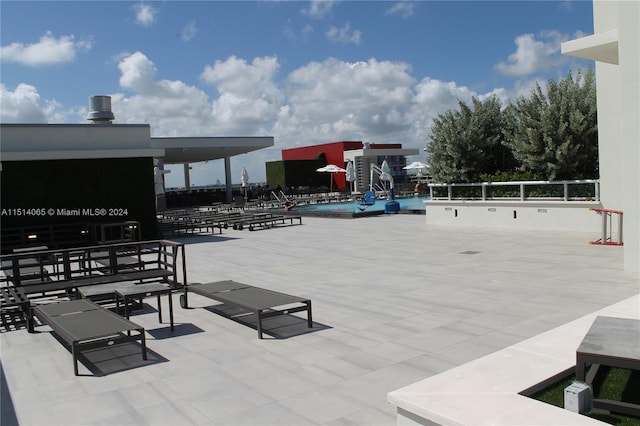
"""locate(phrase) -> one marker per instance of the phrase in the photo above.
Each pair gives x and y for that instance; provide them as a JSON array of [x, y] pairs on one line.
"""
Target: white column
[[187, 178]]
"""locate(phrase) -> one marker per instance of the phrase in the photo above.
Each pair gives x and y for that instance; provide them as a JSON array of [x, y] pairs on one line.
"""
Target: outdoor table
[[101, 291], [613, 342], [141, 291]]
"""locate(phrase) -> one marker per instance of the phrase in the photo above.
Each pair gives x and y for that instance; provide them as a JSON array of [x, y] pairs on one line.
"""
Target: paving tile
[[394, 301]]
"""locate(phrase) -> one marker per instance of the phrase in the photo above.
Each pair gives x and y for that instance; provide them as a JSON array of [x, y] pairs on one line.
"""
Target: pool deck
[[395, 302]]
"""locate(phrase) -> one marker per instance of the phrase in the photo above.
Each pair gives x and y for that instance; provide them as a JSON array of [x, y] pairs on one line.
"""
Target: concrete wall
[[540, 215], [628, 117], [615, 48]]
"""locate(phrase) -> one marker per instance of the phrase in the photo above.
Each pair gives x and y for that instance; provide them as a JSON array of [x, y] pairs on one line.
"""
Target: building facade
[[361, 153], [615, 46]]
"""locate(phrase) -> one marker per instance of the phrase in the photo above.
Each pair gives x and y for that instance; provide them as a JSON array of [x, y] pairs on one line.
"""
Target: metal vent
[[100, 109]]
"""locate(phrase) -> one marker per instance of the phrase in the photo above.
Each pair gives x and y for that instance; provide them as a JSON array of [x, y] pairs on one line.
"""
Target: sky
[[303, 72]]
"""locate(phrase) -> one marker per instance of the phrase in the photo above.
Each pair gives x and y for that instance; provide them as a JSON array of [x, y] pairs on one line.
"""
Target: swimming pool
[[407, 204]]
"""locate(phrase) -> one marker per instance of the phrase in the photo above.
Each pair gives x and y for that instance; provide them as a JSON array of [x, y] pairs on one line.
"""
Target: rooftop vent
[[100, 110]]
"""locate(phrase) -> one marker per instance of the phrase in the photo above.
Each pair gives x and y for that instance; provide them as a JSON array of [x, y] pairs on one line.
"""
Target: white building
[[615, 46]]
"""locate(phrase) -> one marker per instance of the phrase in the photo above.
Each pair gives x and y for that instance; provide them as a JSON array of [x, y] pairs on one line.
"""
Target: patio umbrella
[[386, 171], [158, 181], [244, 179], [351, 173], [386, 175], [331, 169], [416, 165]]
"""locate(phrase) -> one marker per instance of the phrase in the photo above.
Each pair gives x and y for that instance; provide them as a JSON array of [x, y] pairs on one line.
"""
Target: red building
[[334, 153]]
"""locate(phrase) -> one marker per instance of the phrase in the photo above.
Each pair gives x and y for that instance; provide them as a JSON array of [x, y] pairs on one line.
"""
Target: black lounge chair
[[13, 299], [262, 302], [85, 325]]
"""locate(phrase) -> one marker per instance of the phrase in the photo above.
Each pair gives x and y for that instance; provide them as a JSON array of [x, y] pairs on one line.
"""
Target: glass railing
[[562, 190]]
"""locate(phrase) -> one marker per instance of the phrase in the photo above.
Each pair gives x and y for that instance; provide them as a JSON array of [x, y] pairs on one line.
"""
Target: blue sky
[[303, 72]]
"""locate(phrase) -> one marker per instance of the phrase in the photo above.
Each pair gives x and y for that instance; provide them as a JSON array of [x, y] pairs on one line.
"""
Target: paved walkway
[[394, 301]]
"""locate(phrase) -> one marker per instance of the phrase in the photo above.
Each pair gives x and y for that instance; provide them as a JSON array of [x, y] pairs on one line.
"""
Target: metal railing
[[562, 190]]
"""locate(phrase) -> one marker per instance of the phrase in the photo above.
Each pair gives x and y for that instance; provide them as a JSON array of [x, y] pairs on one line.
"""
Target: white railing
[[522, 186]]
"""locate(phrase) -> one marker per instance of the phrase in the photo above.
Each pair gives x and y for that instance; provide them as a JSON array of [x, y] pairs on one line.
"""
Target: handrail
[[606, 238], [522, 189]]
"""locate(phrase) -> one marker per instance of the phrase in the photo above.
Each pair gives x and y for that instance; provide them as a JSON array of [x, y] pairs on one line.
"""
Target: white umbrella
[[351, 173], [386, 171], [331, 168], [158, 181], [416, 165], [244, 179], [386, 175]]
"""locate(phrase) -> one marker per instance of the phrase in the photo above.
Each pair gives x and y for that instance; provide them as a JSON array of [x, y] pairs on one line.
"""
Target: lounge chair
[[85, 325], [13, 299], [262, 302]]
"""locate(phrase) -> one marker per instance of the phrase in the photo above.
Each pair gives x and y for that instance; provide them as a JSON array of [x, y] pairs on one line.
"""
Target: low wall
[[536, 215], [487, 390]]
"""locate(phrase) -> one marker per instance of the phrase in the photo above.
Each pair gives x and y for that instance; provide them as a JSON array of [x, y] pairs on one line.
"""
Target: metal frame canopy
[[183, 150]]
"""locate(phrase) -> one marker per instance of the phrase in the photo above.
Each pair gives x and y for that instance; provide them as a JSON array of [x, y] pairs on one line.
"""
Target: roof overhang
[[601, 47], [198, 149], [382, 152]]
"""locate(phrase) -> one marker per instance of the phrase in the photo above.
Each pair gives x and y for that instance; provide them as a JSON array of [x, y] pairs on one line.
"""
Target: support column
[[227, 179], [187, 178]]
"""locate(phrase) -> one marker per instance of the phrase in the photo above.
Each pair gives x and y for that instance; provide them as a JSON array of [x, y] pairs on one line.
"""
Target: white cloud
[[47, 51], [534, 55], [248, 96], [188, 32], [319, 8], [21, 106], [374, 101], [145, 14], [344, 34], [170, 106], [337, 100], [290, 33], [402, 8]]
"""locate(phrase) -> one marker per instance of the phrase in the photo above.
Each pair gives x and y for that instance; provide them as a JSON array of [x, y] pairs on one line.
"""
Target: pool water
[[406, 203]]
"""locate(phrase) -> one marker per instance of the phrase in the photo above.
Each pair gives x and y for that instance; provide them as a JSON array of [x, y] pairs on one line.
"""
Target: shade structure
[[331, 169]]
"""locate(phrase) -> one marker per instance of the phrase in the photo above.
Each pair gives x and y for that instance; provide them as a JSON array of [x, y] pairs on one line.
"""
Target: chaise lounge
[[262, 302], [85, 325]]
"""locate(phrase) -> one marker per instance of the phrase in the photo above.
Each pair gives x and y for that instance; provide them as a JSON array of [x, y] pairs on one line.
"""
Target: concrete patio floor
[[394, 301]]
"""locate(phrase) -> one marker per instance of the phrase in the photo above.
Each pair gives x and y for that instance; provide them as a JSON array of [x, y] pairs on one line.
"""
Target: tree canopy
[[553, 134], [468, 142]]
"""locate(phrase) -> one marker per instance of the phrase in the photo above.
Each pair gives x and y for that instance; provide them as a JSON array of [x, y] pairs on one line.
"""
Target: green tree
[[469, 142], [556, 133]]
